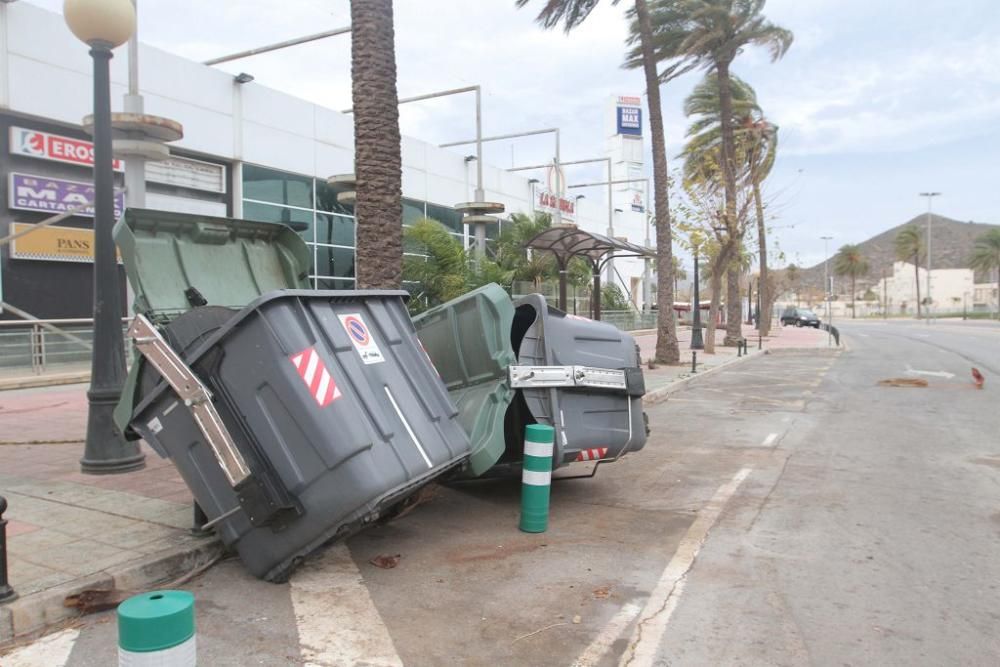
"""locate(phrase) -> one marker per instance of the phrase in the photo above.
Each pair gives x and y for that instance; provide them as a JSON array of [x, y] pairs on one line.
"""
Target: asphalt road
[[788, 511]]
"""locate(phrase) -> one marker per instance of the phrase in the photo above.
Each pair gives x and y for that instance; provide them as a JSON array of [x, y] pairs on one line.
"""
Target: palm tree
[[850, 261], [377, 163], [909, 246], [709, 34], [986, 257], [571, 13], [756, 146]]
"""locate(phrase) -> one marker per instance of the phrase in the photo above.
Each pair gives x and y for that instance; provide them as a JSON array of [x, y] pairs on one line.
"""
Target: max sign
[[55, 195]]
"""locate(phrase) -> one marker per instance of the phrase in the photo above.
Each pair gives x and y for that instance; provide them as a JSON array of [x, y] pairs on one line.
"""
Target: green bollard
[[536, 477], [157, 630]]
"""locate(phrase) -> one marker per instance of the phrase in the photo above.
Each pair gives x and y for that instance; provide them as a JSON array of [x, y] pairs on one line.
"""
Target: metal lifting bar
[[195, 396]]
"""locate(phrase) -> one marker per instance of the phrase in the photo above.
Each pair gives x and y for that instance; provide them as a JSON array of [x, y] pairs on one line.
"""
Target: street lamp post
[[104, 25], [826, 287], [697, 342], [930, 198]]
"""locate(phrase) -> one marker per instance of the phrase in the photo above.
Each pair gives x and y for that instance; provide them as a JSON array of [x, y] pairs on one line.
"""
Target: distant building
[[951, 290]]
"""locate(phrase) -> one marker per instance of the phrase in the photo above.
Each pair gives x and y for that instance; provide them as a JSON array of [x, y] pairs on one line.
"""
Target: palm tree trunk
[[667, 347], [916, 271], [713, 310], [717, 269], [378, 211], [734, 330], [763, 285], [734, 308]]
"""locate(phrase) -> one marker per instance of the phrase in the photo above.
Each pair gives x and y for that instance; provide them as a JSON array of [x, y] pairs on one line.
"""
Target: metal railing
[[45, 346], [629, 320]]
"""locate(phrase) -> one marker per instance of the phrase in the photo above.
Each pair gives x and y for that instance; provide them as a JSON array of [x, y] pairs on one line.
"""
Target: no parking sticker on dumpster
[[362, 338]]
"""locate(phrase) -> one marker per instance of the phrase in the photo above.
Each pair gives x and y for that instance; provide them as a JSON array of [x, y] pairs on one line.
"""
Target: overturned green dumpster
[[508, 364]]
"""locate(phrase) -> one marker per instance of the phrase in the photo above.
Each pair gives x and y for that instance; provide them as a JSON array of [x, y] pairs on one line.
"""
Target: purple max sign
[[55, 195]]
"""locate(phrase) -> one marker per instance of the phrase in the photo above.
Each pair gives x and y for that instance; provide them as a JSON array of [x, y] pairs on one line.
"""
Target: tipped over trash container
[[293, 415], [508, 364]]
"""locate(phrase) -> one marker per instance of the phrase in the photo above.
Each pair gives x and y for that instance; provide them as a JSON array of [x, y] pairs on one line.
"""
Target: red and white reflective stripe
[[592, 454], [313, 372]]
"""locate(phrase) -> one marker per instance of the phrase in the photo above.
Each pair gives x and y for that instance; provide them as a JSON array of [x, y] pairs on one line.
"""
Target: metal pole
[[611, 225], [279, 45], [930, 199], [562, 286], [697, 342], [105, 450], [647, 269], [7, 593], [135, 165], [826, 287], [500, 137], [596, 299]]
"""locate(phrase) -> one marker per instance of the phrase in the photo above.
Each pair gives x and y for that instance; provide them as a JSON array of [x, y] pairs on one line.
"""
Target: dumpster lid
[[175, 261], [468, 339]]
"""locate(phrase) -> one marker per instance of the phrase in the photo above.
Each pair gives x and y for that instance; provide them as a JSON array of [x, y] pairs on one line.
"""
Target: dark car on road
[[800, 317]]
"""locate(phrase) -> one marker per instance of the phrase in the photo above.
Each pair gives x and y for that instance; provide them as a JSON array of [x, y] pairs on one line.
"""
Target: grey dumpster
[[294, 417], [509, 364]]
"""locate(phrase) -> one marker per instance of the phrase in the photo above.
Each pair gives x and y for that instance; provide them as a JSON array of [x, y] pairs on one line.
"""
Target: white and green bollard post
[[157, 630], [536, 477]]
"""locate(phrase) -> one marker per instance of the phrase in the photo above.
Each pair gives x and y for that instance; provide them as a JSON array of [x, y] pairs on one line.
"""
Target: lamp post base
[[106, 451], [697, 340]]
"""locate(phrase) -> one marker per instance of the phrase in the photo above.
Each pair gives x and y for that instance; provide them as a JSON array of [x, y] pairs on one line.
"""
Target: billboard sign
[[180, 171], [630, 120], [55, 195], [552, 203], [46, 146], [637, 204], [53, 243]]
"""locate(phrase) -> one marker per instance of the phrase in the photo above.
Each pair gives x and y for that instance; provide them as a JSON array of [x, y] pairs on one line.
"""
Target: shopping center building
[[248, 151]]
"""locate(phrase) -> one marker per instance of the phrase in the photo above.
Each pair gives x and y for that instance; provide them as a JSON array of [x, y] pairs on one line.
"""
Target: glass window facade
[[310, 206]]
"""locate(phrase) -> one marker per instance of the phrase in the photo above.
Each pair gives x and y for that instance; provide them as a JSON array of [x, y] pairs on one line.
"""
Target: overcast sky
[[876, 101]]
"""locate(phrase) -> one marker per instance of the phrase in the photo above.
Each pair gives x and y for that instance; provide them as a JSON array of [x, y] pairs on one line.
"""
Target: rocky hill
[[952, 244]]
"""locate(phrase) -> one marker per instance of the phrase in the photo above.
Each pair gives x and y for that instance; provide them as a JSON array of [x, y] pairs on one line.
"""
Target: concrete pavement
[[70, 532]]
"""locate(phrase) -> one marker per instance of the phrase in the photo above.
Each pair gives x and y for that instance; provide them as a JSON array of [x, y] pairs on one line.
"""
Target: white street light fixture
[[104, 23]]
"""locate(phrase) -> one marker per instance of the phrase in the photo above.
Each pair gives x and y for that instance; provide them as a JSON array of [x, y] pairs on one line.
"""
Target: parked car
[[800, 317]]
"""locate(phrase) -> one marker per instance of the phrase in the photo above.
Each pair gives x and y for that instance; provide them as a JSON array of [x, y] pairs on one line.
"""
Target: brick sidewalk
[[71, 531], [779, 339]]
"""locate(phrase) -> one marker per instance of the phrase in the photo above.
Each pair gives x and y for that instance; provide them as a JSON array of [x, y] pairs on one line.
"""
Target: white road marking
[[337, 621], [645, 640], [51, 651], [786, 418], [611, 632], [863, 335], [769, 440], [938, 374]]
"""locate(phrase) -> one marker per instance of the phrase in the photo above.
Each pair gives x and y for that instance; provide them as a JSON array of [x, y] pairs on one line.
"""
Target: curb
[[44, 380], [39, 611], [661, 394]]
